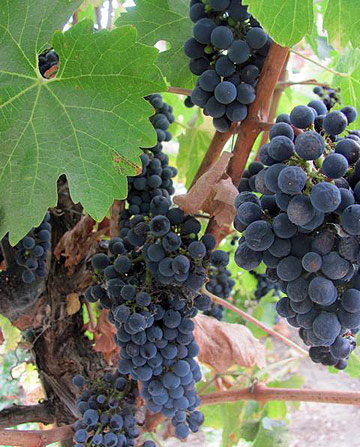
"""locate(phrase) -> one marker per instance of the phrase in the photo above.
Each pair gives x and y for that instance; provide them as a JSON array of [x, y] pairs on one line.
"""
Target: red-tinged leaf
[[77, 243], [104, 336], [223, 345]]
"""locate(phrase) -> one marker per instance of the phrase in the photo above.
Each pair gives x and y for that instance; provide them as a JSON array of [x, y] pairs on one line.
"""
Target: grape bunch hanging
[[227, 52], [150, 280], [305, 226]]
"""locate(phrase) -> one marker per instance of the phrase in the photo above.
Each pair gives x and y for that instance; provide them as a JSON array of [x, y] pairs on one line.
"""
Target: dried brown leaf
[[221, 203], [104, 336], [193, 201], [213, 193], [76, 243], [223, 345], [72, 303]]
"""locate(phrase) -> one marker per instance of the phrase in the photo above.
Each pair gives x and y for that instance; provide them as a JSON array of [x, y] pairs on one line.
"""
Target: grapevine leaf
[[241, 347], [11, 334], [349, 84], [231, 424], [342, 22], [167, 20], [193, 146], [86, 123], [271, 434], [286, 21]]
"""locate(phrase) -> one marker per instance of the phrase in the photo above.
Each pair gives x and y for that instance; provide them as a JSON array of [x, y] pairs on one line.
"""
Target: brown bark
[[20, 414], [59, 346]]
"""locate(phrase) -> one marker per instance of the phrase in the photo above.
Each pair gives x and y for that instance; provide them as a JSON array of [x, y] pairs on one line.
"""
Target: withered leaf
[[223, 345], [72, 303], [213, 193]]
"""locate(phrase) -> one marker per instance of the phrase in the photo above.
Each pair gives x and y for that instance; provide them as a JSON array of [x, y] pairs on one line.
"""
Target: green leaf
[[11, 334], [213, 416], [286, 21], [292, 382], [349, 84], [271, 434], [193, 146], [86, 123], [167, 20], [231, 424], [341, 21]]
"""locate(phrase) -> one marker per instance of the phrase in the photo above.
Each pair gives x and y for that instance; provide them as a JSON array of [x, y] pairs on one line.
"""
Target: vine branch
[[253, 320], [275, 102], [21, 414], [35, 438], [260, 392]]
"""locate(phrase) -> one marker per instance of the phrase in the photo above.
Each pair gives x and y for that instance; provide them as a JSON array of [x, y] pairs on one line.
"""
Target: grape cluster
[[264, 285], [31, 252], [156, 176], [47, 60], [329, 96], [220, 283], [227, 52], [150, 282], [107, 406], [305, 226]]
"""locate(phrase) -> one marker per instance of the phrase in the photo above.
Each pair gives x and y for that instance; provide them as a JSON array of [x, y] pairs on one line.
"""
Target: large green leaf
[[286, 21], [87, 123], [167, 20], [341, 21], [193, 146]]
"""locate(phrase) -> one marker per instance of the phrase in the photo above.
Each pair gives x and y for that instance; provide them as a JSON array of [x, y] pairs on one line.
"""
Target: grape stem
[[92, 323], [253, 320], [324, 67], [284, 84], [180, 91]]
